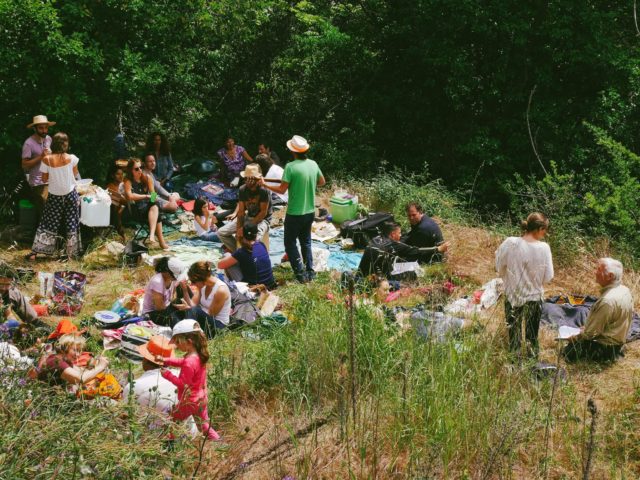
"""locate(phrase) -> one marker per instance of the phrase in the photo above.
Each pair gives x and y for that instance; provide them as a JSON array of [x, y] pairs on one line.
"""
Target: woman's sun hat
[[158, 345], [298, 144], [40, 120]]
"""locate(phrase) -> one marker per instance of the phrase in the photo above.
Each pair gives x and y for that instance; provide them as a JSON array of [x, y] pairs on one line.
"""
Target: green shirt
[[302, 177]]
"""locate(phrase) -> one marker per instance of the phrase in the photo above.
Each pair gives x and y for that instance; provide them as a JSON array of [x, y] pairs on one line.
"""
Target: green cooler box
[[343, 209]]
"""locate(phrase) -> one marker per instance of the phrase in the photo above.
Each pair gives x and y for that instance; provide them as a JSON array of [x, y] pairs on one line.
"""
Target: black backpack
[[363, 230]]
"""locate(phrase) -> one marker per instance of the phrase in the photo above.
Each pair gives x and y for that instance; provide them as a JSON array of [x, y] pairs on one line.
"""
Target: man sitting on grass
[[609, 319], [382, 251]]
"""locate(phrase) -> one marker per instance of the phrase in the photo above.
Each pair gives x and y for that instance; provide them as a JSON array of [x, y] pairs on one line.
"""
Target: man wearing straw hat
[[34, 149], [300, 178], [254, 206]]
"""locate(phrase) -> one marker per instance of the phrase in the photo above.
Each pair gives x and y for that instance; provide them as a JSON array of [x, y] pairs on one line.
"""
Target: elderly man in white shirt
[[525, 265], [150, 389]]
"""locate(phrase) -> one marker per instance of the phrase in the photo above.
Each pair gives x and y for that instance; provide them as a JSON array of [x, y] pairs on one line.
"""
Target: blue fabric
[[209, 237], [194, 190], [255, 265], [340, 260], [208, 324], [196, 242]]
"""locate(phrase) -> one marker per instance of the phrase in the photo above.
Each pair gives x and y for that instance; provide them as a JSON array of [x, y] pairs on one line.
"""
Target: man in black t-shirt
[[424, 233], [383, 251], [254, 205]]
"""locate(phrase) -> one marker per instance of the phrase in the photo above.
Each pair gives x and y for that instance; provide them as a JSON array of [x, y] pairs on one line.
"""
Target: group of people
[[525, 264]]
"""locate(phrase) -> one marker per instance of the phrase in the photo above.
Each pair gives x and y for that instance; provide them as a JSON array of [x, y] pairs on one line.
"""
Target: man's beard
[[42, 135]]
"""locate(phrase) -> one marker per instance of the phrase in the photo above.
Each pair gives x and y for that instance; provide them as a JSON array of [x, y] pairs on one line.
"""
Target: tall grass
[[429, 409]]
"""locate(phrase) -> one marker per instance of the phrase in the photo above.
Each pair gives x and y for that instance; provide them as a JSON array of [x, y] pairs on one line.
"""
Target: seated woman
[[138, 190], [232, 159], [205, 221], [115, 187], [250, 263], [169, 281], [166, 200], [211, 305], [58, 368], [273, 171]]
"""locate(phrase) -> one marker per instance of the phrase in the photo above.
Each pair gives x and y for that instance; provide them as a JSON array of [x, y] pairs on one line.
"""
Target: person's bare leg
[[153, 222], [170, 207], [160, 236]]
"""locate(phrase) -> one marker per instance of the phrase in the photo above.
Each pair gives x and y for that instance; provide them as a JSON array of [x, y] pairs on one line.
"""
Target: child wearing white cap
[[188, 337]]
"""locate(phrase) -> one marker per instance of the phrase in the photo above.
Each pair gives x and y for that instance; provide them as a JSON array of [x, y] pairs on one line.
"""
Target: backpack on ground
[[363, 230]]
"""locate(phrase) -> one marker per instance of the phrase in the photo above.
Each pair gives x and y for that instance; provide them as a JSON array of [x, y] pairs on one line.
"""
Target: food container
[[343, 208]]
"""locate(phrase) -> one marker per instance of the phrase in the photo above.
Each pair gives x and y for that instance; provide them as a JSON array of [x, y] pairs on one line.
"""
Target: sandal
[[31, 257]]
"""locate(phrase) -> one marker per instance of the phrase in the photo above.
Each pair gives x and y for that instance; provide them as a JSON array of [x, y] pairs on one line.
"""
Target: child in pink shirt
[[192, 381]]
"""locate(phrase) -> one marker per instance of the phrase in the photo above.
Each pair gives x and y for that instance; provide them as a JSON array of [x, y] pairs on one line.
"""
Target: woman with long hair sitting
[[138, 190]]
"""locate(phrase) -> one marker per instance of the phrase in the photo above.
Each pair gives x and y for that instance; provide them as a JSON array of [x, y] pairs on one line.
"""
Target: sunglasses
[[137, 169]]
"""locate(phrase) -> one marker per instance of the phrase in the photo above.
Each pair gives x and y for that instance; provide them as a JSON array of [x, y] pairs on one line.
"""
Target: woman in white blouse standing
[[524, 263], [62, 210]]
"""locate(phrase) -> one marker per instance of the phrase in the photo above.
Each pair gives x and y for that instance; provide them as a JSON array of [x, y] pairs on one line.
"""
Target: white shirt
[[205, 303], [61, 179], [276, 171], [524, 267], [152, 390]]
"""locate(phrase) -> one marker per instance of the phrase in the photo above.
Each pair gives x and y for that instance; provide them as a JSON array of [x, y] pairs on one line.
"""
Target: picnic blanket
[[214, 191], [573, 310], [339, 259], [189, 254]]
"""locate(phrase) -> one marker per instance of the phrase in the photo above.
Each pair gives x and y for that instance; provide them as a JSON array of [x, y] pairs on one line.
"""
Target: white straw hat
[[298, 144]]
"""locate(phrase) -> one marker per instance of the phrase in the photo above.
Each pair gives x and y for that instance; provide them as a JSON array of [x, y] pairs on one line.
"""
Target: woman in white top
[[205, 221], [272, 171], [524, 263], [62, 210], [211, 304]]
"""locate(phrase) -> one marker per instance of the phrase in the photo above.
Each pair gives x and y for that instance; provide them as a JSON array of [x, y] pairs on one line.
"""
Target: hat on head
[[251, 170], [178, 269], [64, 327], [185, 326], [158, 345], [298, 144], [40, 120]]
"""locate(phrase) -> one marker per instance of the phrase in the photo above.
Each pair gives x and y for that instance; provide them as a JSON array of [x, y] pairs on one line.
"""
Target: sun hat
[[178, 269], [158, 345], [251, 170], [298, 144], [39, 120], [64, 327], [185, 326]]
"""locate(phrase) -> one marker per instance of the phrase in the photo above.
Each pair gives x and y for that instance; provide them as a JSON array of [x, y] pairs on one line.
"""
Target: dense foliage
[[465, 87]]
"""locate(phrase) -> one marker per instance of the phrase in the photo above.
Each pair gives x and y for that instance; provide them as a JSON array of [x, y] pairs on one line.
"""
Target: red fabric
[[188, 206]]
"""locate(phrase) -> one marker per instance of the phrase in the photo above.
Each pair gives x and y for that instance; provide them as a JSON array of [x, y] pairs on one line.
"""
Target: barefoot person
[[139, 192], [524, 263]]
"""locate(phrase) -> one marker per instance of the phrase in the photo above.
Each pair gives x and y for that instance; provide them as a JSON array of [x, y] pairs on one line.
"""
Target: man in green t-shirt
[[301, 177]]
